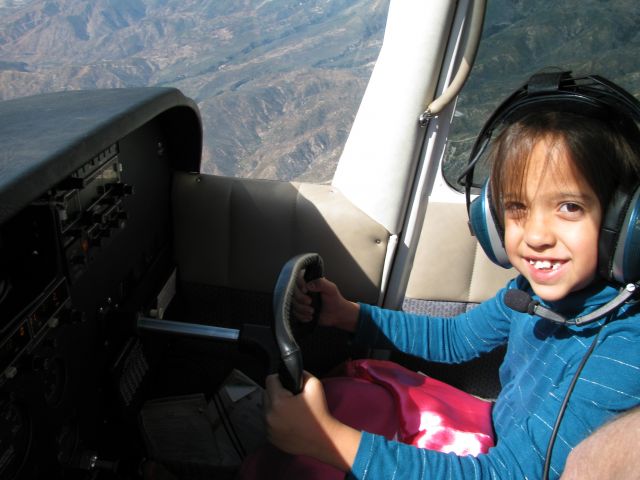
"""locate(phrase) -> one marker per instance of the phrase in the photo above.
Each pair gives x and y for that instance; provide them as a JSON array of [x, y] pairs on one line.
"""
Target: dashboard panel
[[85, 244]]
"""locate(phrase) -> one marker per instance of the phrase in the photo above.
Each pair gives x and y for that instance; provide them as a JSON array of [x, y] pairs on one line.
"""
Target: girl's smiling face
[[552, 225]]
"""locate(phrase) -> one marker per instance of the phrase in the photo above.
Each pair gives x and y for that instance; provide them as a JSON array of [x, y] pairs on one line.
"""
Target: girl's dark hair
[[606, 152]]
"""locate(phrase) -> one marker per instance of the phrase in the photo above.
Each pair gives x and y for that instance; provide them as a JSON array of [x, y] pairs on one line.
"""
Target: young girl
[[554, 172]]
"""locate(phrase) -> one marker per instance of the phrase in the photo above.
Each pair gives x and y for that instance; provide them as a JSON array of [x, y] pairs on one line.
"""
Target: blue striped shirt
[[539, 364]]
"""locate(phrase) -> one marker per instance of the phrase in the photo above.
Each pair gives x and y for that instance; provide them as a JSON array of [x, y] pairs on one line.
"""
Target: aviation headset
[[619, 239]]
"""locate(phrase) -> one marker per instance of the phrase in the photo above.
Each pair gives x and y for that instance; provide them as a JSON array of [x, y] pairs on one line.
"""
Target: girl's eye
[[515, 209], [570, 207]]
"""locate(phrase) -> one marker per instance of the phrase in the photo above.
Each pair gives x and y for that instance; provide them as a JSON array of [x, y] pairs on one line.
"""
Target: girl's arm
[[302, 425], [435, 338]]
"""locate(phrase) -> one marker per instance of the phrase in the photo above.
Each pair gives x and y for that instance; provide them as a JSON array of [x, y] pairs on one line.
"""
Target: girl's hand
[[302, 424], [335, 311]]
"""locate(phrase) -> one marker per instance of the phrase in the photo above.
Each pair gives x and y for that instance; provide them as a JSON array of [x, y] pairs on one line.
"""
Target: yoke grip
[[291, 366]]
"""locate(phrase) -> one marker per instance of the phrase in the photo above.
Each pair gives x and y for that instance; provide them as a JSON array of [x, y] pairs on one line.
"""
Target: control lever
[[291, 368], [279, 341]]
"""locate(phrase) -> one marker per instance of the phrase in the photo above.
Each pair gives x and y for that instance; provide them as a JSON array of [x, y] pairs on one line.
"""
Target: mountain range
[[278, 82]]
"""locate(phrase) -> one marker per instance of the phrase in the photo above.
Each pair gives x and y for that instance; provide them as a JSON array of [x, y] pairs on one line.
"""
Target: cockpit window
[[520, 38], [278, 83]]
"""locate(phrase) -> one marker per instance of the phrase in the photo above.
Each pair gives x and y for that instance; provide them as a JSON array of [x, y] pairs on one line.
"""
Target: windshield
[[278, 83]]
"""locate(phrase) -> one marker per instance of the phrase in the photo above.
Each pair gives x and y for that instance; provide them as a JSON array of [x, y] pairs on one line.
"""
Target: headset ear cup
[[619, 244], [485, 228]]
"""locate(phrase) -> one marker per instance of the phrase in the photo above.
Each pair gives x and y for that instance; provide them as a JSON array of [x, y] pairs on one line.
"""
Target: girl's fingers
[[301, 305], [300, 282], [300, 296]]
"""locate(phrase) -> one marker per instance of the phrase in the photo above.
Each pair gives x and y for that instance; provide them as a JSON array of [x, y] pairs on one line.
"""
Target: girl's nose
[[538, 232]]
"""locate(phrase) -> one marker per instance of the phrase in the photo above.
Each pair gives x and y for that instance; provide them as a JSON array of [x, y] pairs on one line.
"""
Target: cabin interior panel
[[114, 227]]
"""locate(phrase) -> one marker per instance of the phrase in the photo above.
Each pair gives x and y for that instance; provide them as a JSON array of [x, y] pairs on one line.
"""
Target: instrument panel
[[85, 241]]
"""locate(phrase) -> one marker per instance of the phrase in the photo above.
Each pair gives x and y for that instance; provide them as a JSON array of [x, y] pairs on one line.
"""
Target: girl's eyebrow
[[585, 197], [565, 194], [579, 196], [512, 197]]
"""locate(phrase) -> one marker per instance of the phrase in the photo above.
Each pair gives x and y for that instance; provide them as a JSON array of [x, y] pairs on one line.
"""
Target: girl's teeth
[[544, 264]]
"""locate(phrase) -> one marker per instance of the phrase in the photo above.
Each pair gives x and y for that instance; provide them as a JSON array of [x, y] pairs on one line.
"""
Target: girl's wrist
[[349, 320], [343, 446]]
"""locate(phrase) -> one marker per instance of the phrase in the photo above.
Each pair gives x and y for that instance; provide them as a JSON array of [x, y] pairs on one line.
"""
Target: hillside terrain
[[521, 37], [277, 85], [278, 82]]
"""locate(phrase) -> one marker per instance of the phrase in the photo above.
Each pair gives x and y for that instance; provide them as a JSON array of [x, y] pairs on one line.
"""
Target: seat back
[[451, 274]]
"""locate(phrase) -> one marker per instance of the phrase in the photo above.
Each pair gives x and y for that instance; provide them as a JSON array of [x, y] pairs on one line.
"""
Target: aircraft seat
[[450, 275]]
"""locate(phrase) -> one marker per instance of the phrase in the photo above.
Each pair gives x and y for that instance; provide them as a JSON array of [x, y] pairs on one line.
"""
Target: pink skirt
[[387, 399]]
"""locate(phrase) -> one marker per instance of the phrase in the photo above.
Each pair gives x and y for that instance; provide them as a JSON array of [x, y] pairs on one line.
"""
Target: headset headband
[[590, 93]]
